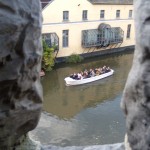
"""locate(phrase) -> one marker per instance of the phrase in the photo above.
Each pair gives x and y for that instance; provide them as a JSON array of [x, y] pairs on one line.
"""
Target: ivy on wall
[[48, 57]]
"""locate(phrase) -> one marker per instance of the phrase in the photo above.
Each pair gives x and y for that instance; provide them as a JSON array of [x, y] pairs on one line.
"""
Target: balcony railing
[[102, 37]]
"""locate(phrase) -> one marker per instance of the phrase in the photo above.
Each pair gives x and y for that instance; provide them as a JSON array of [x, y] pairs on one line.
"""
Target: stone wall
[[136, 97], [20, 63]]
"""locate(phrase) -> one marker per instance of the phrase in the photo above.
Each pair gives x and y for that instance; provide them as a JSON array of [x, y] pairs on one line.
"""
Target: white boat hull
[[70, 81]]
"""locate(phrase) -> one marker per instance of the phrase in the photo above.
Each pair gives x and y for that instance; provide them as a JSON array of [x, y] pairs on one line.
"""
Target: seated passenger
[[85, 74], [96, 71], [104, 69], [82, 73], [92, 73], [107, 69], [89, 73], [79, 76], [100, 71], [74, 76]]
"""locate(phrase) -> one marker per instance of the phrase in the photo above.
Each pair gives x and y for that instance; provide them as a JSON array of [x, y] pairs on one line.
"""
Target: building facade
[[85, 26]]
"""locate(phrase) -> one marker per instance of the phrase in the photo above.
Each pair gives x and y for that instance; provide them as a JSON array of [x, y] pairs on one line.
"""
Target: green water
[[87, 114]]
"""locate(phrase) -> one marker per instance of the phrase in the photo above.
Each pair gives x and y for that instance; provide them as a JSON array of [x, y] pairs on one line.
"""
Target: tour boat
[[70, 81]]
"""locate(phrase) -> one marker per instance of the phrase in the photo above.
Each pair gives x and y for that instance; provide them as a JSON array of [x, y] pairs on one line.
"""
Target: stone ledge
[[30, 144], [118, 146]]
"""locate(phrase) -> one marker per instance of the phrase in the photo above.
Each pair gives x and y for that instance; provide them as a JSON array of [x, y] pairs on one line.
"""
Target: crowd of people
[[91, 73]]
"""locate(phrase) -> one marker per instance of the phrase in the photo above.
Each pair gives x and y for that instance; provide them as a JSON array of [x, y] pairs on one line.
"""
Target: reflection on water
[[66, 102], [86, 114]]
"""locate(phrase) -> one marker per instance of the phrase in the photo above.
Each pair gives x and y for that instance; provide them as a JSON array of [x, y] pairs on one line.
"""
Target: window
[[128, 30], [117, 13], [65, 15], [84, 15], [98, 38], [130, 13], [51, 40], [65, 38], [102, 14]]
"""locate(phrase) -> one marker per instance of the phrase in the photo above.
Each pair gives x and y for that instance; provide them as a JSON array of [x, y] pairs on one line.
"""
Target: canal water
[[86, 114]]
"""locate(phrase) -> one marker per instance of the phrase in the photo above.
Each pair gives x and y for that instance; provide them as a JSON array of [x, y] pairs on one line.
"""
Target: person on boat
[[71, 76], [85, 73], [97, 71], [79, 76], [74, 76], [107, 69], [104, 69], [91, 73], [81, 73]]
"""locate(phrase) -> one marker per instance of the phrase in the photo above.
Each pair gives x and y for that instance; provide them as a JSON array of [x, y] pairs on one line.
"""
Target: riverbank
[[100, 53]]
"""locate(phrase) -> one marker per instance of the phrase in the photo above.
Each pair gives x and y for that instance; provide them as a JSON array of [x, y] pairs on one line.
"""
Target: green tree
[[48, 57]]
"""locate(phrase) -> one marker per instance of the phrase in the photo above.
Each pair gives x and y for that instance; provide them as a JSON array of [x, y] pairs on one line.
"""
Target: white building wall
[[53, 22]]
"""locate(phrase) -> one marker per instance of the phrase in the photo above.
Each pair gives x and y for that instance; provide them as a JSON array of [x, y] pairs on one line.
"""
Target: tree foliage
[[48, 57]]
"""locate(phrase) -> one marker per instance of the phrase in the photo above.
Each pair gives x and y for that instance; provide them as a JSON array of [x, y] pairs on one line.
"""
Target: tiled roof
[[113, 2], [44, 3]]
